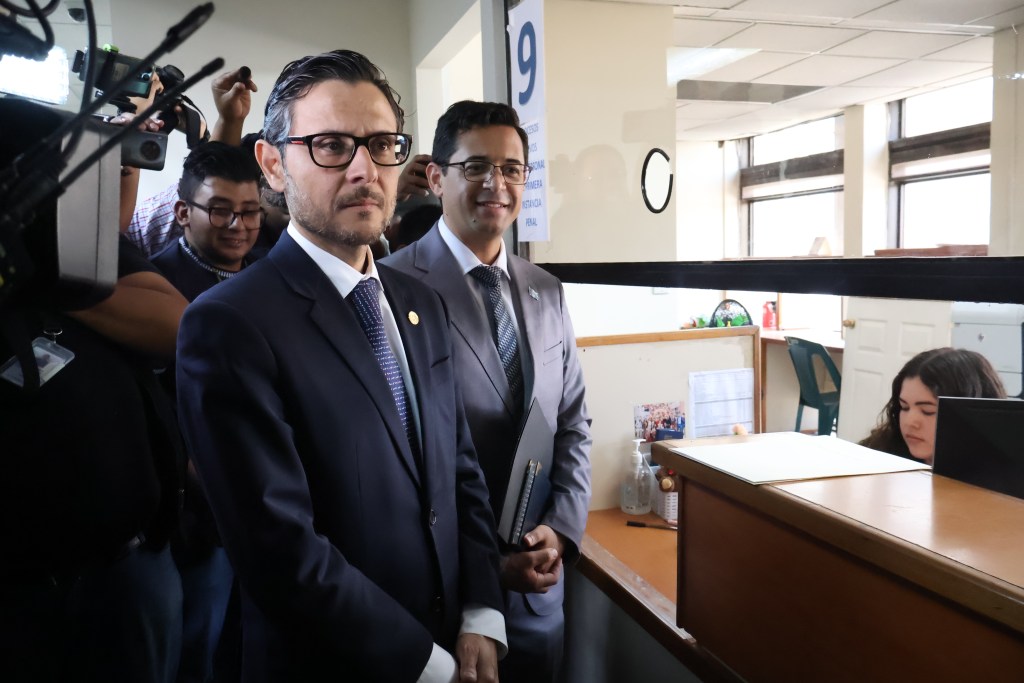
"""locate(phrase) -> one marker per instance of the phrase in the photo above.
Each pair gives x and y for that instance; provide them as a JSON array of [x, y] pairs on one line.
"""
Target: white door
[[881, 335]]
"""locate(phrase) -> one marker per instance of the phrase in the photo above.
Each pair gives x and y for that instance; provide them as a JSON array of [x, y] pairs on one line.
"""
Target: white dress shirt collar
[[343, 276], [465, 257]]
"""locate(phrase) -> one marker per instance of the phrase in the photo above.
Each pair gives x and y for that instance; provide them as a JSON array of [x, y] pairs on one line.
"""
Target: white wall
[[263, 35]]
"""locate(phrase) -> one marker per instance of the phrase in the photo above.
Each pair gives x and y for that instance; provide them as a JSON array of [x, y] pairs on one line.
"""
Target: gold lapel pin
[[414, 318]]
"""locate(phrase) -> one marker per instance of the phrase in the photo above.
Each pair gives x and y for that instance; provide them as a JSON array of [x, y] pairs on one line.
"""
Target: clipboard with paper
[[529, 483]]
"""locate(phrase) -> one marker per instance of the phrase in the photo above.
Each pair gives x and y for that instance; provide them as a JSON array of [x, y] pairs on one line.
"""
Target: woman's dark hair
[[300, 76], [946, 372]]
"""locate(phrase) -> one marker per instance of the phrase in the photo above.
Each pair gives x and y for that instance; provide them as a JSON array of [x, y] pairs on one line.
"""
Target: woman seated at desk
[[907, 424]]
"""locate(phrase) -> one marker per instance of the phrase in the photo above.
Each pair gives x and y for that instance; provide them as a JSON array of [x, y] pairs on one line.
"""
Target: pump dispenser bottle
[[637, 486]]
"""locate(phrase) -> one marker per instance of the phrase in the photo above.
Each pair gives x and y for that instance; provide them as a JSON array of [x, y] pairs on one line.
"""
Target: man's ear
[[434, 173], [181, 213], [269, 158]]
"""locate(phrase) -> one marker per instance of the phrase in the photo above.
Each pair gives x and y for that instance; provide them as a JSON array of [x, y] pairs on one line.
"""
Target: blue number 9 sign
[[526, 55]]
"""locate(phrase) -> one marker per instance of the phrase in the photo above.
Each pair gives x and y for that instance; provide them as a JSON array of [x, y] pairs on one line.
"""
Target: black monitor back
[[981, 441]]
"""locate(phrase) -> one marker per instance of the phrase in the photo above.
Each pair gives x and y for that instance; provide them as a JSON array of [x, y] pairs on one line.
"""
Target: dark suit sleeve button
[[432, 517]]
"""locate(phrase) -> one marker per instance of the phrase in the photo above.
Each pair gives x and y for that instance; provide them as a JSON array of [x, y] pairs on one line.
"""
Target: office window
[[803, 140], [953, 107], [940, 166], [946, 211], [803, 225]]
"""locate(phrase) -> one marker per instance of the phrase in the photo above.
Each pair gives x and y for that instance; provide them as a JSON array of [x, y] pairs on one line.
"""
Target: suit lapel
[[338, 321], [470, 320], [526, 299]]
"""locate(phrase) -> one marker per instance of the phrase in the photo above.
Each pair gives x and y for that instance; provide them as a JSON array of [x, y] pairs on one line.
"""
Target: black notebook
[[529, 485]]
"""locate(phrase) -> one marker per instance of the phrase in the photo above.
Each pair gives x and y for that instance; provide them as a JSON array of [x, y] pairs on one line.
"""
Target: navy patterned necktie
[[504, 330], [367, 304]]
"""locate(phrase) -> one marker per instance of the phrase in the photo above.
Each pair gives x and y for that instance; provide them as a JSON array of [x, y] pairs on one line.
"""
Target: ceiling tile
[[1014, 17], [714, 111], [978, 50], [897, 45], [783, 38], [841, 97], [940, 11], [817, 8], [827, 70], [754, 66], [700, 33], [915, 74]]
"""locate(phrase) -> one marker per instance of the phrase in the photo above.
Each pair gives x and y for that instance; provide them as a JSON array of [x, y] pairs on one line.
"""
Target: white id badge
[[51, 358]]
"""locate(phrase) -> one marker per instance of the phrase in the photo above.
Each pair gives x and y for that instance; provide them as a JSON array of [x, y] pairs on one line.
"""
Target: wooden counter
[[636, 568], [905, 576]]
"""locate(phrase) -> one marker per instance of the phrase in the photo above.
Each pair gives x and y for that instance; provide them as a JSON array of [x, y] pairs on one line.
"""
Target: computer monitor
[[981, 441]]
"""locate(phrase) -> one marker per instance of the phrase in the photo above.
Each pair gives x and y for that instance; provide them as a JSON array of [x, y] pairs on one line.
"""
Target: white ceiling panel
[[896, 45], [827, 70], [819, 8], [750, 68], [941, 11], [978, 50], [713, 4], [715, 111], [784, 38], [916, 74], [700, 33], [1014, 17], [840, 98]]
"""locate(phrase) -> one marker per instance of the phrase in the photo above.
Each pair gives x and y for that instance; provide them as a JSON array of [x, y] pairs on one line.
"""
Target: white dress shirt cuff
[[484, 621], [441, 667], [488, 622]]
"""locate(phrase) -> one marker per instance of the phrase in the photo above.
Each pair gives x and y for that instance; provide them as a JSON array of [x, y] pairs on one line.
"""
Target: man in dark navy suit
[[318, 398]]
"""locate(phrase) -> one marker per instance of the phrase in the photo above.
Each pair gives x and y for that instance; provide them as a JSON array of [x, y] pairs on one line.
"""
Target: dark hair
[[466, 115], [414, 225], [300, 76], [216, 160], [946, 372]]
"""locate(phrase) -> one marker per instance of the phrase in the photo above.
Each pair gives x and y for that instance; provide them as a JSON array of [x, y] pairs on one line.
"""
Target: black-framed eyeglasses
[[223, 217], [482, 171], [334, 150]]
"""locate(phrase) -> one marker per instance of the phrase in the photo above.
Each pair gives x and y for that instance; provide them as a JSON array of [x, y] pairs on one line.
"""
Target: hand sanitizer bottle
[[637, 483]]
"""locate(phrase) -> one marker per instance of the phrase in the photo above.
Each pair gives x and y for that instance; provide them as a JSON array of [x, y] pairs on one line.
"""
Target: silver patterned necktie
[[504, 330], [367, 304]]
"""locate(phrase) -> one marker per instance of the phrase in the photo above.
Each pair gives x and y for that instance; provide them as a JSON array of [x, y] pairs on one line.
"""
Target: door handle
[[849, 324]]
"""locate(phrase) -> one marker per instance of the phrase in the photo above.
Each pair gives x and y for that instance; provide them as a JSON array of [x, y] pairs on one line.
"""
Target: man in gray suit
[[513, 343]]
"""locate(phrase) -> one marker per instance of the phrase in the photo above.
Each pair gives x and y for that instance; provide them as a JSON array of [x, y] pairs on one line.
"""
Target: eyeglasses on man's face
[[223, 217], [482, 171], [334, 150]]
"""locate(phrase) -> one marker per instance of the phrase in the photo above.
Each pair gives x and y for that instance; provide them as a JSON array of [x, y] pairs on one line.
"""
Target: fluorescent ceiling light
[[691, 62]]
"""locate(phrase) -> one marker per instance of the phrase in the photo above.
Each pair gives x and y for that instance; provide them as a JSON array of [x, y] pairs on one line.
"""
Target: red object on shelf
[[768, 321]]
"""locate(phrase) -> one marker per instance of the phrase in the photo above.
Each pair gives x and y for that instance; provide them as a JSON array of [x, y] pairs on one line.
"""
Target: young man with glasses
[[513, 344], [219, 211], [318, 399]]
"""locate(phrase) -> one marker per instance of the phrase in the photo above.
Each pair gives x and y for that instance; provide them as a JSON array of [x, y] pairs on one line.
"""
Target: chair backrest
[[807, 358]]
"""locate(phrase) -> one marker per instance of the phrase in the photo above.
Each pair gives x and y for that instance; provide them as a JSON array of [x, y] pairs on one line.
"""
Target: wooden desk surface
[[924, 573], [636, 568]]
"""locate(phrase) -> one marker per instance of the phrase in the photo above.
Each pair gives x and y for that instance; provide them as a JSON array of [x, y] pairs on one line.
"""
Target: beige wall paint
[[608, 103]]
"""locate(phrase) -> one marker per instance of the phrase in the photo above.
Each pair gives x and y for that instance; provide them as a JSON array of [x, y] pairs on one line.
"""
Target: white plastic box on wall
[[995, 331]]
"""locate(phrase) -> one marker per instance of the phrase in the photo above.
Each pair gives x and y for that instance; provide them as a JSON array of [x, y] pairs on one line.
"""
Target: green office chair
[[818, 389]]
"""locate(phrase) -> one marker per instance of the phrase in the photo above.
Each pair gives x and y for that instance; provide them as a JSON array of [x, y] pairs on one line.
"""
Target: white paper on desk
[[720, 399], [791, 456]]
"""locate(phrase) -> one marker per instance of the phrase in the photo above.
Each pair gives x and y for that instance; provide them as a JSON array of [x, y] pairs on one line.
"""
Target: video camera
[[59, 187], [179, 112]]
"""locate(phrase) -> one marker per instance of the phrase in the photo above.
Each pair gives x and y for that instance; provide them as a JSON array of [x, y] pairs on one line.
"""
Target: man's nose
[[361, 168], [496, 179]]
